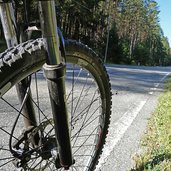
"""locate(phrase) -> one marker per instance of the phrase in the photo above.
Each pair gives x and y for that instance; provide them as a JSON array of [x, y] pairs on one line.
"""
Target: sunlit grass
[[156, 143]]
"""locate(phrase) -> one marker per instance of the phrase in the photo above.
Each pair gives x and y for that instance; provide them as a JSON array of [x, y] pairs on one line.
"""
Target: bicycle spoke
[[88, 136], [7, 162], [80, 95], [82, 113], [37, 96], [74, 81], [45, 117]]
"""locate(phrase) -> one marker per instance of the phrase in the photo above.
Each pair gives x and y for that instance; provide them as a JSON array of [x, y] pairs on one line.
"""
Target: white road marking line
[[151, 92], [118, 130], [164, 77], [156, 85]]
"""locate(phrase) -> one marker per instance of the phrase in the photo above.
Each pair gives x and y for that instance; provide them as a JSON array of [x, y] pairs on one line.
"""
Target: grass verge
[[156, 143]]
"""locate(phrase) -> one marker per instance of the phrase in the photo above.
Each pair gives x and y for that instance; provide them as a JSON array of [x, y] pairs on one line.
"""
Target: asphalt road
[[135, 94]]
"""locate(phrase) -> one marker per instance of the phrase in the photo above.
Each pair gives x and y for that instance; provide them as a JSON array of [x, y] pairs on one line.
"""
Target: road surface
[[135, 94]]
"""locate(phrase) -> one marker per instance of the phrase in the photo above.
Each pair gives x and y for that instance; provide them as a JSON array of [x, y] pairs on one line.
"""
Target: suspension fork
[[54, 70], [10, 32]]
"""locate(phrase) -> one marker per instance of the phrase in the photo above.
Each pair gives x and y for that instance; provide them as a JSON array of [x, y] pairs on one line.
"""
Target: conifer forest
[[120, 31]]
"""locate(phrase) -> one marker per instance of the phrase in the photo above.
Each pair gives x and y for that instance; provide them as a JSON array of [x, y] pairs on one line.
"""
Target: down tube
[[55, 75]]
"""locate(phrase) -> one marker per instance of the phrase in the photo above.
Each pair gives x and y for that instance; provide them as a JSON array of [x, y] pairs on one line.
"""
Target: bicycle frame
[[54, 70]]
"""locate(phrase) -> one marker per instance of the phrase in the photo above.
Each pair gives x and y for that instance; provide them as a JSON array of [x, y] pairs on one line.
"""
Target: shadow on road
[[137, 79]]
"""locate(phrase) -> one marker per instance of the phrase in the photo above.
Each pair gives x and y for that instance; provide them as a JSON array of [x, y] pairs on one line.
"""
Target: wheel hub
[[25, 148]]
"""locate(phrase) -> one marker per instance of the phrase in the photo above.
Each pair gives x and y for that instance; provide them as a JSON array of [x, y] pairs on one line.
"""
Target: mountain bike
[[55, 98]]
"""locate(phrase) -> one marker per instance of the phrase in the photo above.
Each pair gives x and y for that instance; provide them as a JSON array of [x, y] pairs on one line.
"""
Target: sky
[[165, 17]]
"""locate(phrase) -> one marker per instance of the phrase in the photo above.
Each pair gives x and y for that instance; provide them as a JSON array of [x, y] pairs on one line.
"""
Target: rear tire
[[88, 95]]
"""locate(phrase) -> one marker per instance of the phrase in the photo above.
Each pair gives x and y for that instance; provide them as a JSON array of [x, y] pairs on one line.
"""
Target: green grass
[[156, 143]]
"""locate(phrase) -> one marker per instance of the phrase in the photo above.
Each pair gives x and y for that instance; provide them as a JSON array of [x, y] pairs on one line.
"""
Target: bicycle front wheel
[[88, 95]]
